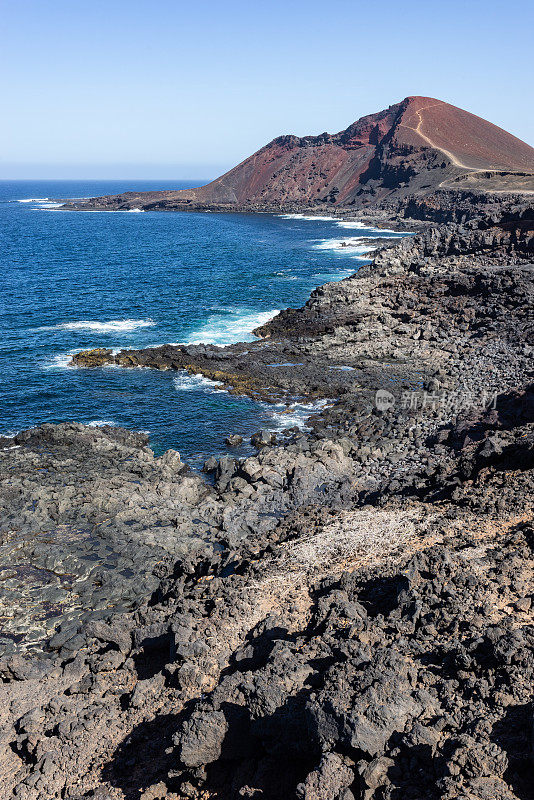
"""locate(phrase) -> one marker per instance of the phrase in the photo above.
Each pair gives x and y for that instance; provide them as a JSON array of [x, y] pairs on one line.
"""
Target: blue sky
[[129, 88]]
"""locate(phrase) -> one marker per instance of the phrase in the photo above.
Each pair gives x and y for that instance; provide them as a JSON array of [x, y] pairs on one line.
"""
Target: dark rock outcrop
[[345, 615]]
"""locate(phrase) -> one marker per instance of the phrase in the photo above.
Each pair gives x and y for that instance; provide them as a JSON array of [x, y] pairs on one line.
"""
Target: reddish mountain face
[[293, 169], [414, 147]]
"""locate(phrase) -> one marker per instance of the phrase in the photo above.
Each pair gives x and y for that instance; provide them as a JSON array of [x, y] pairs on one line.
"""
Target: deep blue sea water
[[74, 280]]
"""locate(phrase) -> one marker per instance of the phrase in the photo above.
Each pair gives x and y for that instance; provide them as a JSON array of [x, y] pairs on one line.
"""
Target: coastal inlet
[[74, 281]]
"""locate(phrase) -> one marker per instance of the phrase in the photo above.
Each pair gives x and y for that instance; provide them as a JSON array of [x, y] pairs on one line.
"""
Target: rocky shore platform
[[345, 615]]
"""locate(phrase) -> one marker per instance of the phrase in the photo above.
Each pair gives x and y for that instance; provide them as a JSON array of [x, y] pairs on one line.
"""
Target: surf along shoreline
[[299, 555], [77, 570]]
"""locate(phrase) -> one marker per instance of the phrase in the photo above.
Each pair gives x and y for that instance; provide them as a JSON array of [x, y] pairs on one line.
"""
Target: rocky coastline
[[345, 615]]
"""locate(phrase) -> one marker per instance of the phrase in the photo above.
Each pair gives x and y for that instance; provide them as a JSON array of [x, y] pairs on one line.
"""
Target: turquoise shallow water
[[77, 280]]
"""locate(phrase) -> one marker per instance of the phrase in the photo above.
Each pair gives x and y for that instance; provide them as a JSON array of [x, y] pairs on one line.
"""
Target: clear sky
[[174, 89]]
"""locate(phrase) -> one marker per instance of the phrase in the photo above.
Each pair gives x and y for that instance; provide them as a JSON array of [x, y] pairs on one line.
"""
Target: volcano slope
[[353, 618], [414, 148]]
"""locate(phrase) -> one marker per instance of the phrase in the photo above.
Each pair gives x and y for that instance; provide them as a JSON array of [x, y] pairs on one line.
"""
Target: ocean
[[76, 280]]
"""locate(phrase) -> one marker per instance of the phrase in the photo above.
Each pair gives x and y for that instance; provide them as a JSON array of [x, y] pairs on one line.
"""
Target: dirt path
[[456, 161], [451, 156]]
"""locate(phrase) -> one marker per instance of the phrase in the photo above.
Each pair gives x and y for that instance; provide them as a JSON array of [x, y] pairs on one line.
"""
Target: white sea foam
[[10, 435], [351, 244], [63, 361], [99, 423], [41, 203], [350, 224], [108, 210], [309, 217], [295, 415], [194, 383], [44, 203], [60, 361], [110, 326], [354, 224], [236, 327]]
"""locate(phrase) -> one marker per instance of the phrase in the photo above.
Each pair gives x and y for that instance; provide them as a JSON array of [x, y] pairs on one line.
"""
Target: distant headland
[[405, 154]]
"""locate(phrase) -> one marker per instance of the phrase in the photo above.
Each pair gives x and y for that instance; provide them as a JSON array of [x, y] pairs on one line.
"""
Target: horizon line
[[93, 178]]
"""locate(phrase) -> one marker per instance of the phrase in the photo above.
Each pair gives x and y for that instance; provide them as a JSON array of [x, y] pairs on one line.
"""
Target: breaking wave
[[194, 383], [235, 327], [361, 226], [110, 326], [309, 217], [109, 210], [295, 415], [348, 245], [59, 361]]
